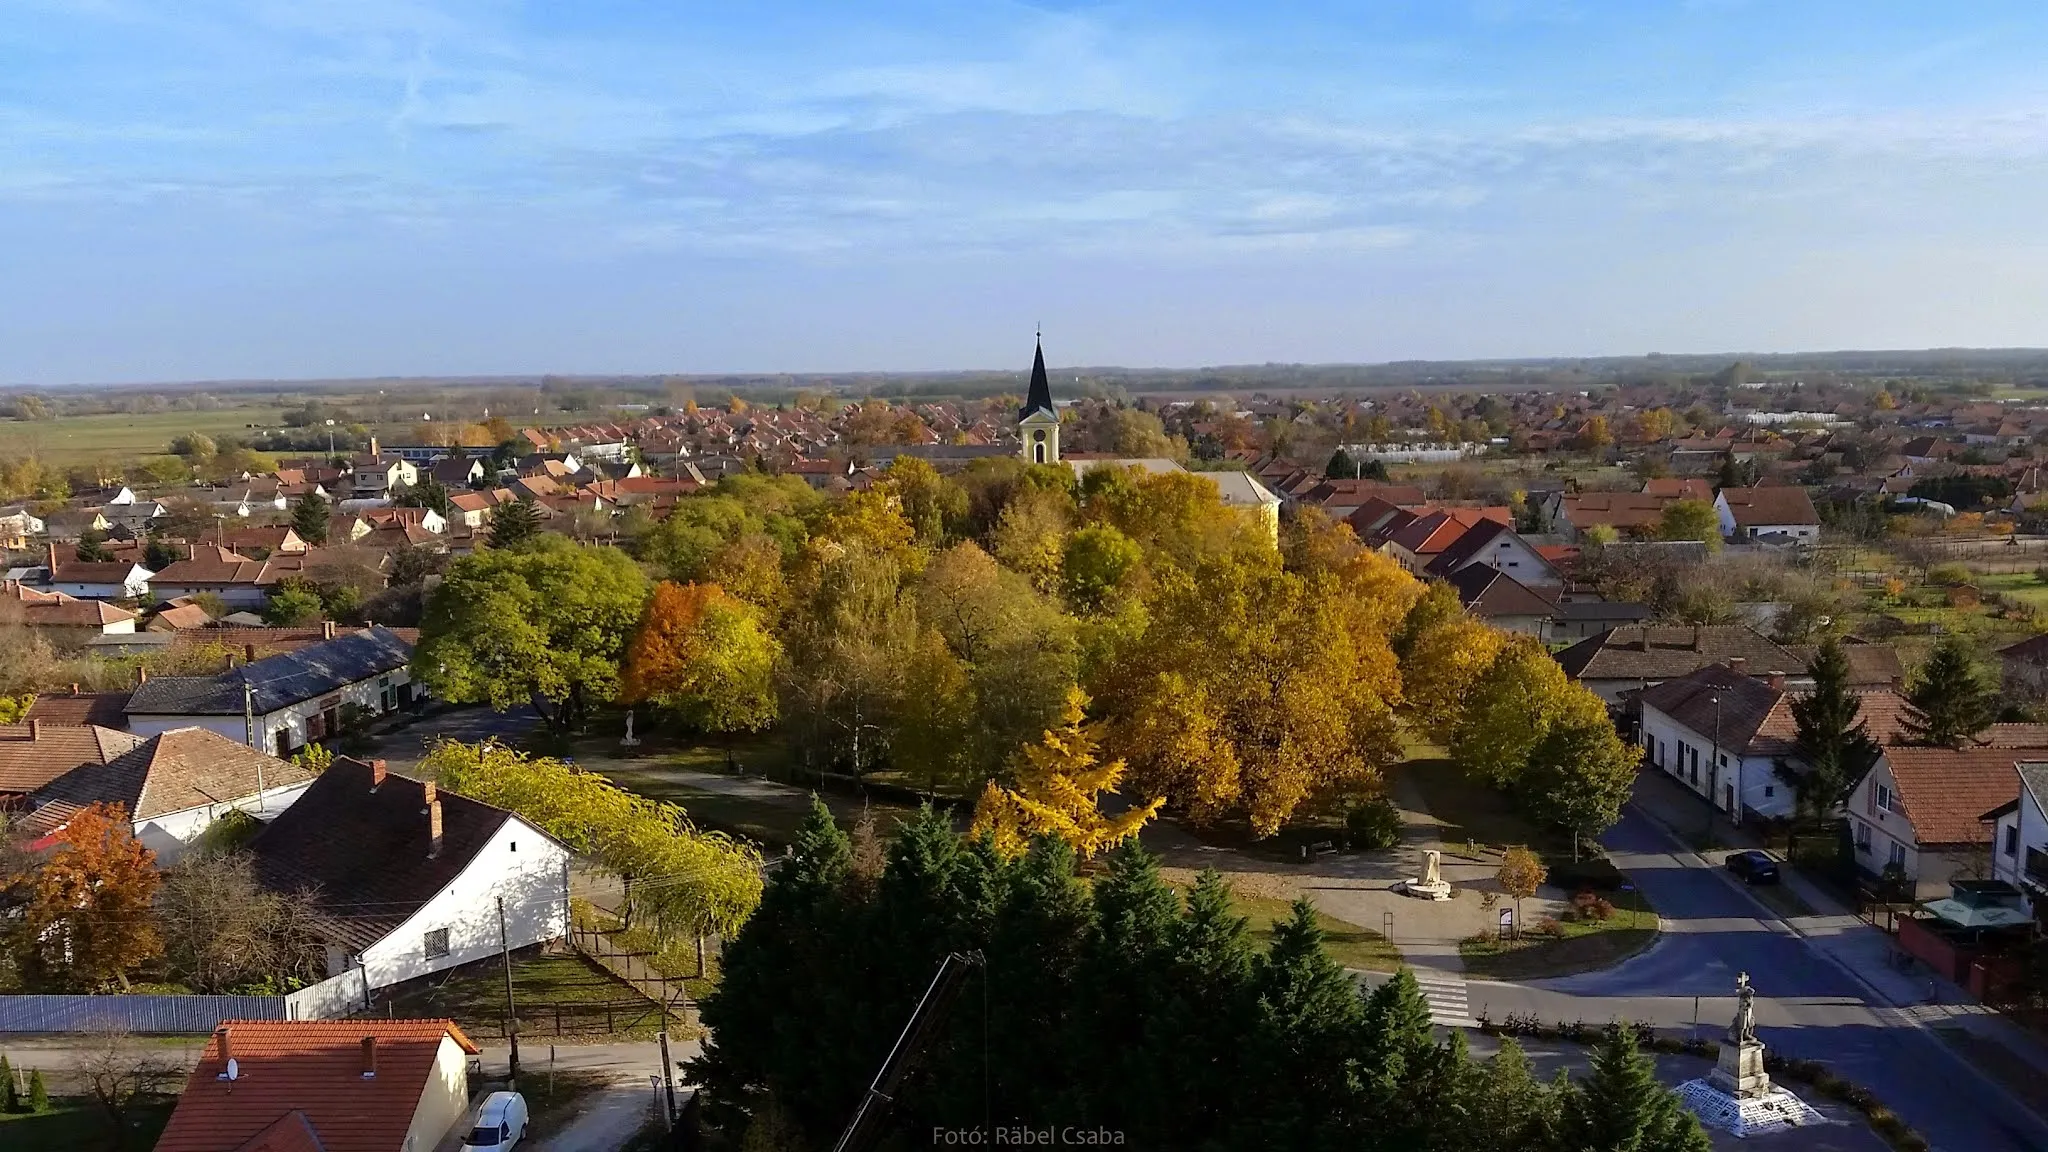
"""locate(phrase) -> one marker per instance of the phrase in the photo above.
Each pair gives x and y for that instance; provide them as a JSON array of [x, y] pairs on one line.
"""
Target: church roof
[[1039, 399]]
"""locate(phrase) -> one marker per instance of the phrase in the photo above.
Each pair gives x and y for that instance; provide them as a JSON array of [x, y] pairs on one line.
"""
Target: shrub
[[1550, 926], [10, 1099], [1949, 574], [1373, 826], [1598, 875], [38, 1092], [1590, 905]]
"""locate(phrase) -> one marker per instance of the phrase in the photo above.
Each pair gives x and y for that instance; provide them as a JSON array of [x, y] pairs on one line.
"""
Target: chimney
[[249, 653], [141, 676], [1775, 679], [369, 1057], [433, 810], [1738, 664], [1696, 638], [378, 770], [327, 629], [74, 689], [221, 1034]]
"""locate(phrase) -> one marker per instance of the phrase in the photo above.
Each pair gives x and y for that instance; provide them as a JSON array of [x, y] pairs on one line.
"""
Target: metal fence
[[166, 1014]]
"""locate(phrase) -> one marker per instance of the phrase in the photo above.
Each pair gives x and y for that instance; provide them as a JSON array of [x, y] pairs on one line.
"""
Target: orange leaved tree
[[704, 657], [89, 921]]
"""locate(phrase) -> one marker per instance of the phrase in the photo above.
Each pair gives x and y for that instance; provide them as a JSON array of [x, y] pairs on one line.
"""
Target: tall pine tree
[[1831, 737], [1620, 1106], [1950, 700], [1310, 1021], [309, 517], [514, 523]]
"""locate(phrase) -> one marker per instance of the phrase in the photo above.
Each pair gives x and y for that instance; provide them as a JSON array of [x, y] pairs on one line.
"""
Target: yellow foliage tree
[[1056, 793], [1443, 664]]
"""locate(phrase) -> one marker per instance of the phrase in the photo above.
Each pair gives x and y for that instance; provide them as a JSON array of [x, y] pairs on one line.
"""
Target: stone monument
[[1738, 1096], [1432, 885], [630, 741]]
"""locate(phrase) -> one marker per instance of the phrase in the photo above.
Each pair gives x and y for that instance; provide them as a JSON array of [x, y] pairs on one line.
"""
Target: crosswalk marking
[[1446, 996]]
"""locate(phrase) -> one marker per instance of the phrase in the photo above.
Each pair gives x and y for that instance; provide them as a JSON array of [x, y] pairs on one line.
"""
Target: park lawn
[[75, 1124], [1348, 944], [1584, 946], [124, 437], [474, 997], [2022, 586]]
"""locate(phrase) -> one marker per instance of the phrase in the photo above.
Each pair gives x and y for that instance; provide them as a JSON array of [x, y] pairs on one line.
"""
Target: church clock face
[[1039, 435]]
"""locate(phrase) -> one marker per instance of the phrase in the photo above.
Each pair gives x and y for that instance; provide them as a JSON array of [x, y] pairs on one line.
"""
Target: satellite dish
[[234, 1068]]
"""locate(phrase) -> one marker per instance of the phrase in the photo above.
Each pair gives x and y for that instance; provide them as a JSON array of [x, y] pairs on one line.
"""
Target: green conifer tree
[[1310, 1021], [514, 523], [1620, 1107], [38, 1093], [309, 517], [1832, 740], [1950, 700], [10, 1096]]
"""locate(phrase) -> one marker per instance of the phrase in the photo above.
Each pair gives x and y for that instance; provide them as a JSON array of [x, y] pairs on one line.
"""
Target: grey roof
[[1038, 397], [1621, 610], [2034, 778], [278, 681], [1657, 653]]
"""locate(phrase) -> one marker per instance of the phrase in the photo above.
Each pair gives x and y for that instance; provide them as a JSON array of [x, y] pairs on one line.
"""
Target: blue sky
[[209, 190]]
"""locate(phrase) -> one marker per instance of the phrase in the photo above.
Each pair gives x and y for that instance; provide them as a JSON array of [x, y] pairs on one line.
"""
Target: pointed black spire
[[1039, 398]]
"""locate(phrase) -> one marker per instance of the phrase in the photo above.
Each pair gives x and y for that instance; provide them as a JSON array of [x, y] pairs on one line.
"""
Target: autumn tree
[[845, 639], [1097, 562], [1507, 710], [693, 880], [934, 506], [1249, 690], [222, 928], [1690, 520], [1580, 774], [1056, 790], [1445, 657], [546, 625], [1520, 874], [703, 657], [1594, 435], [89, 921]]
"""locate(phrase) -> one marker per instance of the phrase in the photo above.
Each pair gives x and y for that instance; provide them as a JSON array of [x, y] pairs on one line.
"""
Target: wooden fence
[[670, 993]]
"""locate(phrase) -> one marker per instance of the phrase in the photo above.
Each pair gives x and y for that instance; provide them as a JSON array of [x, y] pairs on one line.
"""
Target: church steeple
[[1038, 422], [1039, 398]]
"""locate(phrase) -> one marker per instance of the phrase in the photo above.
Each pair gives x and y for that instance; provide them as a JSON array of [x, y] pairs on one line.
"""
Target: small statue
[[1431, 863], [630, 741], [1743, 1031]]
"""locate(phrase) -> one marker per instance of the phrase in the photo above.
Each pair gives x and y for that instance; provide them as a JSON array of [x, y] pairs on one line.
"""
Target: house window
[[437, 943], [1886, 802], [1862, 837], [1897, 856], [1770, 790], [2012, 840]]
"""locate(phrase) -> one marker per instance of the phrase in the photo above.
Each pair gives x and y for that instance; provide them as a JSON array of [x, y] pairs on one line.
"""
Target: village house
[[1495, 545], [239, 581], [363, 1085], [55, 613], [1414, 538], [17, 526], [1781, 515], [1627, 659], [172, 786], [34, 753], [406, 879], [1921, 811], [281, 703], [62, 571]]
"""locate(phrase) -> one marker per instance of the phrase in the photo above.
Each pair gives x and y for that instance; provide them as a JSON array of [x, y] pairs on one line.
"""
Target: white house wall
[[170, 834], [364, 693], [443, 1102], [532, 877]]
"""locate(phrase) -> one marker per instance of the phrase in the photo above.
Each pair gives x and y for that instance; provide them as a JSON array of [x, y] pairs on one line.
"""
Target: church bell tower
[[1038, 422]]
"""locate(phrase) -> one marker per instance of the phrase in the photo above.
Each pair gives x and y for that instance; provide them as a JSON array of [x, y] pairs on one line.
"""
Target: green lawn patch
[[80, 1125], [122, 437], [1347, 943], [556, 995], [1582, 946]]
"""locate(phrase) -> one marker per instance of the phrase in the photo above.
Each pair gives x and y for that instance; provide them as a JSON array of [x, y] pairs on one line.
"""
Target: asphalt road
[[1806, 1005]]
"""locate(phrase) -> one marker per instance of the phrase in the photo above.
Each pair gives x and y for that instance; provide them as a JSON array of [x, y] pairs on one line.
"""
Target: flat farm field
[[123, 437]]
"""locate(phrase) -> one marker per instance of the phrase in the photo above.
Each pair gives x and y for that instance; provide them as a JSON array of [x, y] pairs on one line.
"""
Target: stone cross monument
[[1738, 1095], [1740, 1072]]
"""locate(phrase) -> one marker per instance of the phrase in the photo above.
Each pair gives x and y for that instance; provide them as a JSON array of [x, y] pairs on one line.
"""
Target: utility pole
[[511, 1009], [668, 1079], [1713, 773]]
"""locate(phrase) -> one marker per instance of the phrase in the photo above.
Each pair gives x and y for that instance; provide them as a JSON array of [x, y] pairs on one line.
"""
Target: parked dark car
[[1754, 867]]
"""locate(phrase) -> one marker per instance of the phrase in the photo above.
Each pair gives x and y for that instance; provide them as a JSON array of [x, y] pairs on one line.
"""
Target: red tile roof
[[314, 1067], [1764, 507], [1945, 790], [74, 709], [32, 755]]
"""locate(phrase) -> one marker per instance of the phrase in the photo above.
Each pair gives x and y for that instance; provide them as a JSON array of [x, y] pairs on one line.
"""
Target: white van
[[500, 1123]]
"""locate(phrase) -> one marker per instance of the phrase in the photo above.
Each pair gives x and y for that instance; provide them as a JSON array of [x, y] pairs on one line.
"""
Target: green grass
[[1584, 946], [76, 1125], [124, 437], [474, 997], [1347, 943]]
